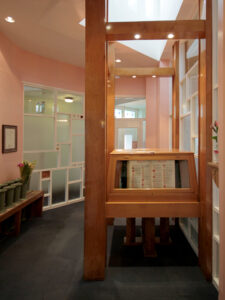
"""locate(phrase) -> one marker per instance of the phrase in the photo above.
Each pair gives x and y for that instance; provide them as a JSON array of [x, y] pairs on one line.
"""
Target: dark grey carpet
[[46, 262], [176, 253]]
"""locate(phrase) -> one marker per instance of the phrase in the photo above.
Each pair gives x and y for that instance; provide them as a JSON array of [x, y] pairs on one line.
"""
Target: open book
[[151, 174]]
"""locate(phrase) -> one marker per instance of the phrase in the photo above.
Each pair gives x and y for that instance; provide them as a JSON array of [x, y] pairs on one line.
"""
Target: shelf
[[194, 94], [192, 68]]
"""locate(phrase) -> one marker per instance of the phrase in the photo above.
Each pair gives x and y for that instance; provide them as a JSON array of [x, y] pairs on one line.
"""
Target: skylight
[[143, 10]]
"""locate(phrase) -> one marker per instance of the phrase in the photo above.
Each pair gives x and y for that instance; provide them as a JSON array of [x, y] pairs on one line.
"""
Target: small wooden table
[[34, 200]]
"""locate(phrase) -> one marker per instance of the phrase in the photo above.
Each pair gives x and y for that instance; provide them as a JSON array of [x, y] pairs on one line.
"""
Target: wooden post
[[175, 100], [205, 147], [95, 142], [130, 231], [148, 227], [221, 105]]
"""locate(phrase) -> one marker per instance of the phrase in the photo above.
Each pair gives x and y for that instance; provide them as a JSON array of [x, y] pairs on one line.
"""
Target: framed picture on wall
[[9, 138]]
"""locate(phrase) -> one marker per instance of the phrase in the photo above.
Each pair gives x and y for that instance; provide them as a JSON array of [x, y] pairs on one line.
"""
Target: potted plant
[[26, 169]]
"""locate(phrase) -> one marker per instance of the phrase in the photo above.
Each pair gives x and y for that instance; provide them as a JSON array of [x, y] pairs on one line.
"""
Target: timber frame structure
[[99, 110]]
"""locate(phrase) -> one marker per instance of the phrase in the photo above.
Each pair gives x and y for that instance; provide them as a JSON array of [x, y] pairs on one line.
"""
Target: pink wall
[[152, 89], [17, 66], [157, 111], [221, 94], [11, 100], [130, 87]]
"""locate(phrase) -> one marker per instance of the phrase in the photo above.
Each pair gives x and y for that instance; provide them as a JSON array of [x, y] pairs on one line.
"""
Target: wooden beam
[[152, 210], [155, 30], [205, 147], [175, 99], [144, 72], [95, 143]]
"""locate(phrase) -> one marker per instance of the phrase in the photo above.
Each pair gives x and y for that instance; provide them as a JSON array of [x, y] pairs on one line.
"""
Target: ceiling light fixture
[[153, 76], [137, 36], [117, 76], [69, 99], [118, 60], [10, 19], [134, 76], [170, 36]]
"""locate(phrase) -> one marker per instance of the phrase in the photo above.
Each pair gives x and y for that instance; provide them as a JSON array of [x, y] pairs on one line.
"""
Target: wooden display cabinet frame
[[164, 202]]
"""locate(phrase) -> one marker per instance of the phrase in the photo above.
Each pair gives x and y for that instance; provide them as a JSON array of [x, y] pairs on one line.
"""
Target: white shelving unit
[[215, 195], [189, 125]]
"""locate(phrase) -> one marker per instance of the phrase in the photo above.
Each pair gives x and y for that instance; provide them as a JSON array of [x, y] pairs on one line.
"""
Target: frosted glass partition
[[74, 190], [65, 155], [75, 174], [45, 186], [44, 160], [78, 126], [78, 148], [54, 137], [38, 133], [75, 107], [38, 101], [63, 128], [186, 133], [35, 181], [58, 185]]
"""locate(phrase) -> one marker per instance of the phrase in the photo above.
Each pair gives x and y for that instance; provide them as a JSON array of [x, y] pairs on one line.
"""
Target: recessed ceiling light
[[108, 27], [134, 76], [170, 36], [69, 99], [10, 19], [117, 76], [137, 36], [118, 60], [153, 76]]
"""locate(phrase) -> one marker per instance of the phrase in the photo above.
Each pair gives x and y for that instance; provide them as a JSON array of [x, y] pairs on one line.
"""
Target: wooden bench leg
[[130, 231], [164, 231], [38, 205], [17, 218], [148, 225]]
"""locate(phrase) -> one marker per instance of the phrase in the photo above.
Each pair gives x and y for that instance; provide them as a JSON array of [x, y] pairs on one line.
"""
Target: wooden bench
[[34, 201]]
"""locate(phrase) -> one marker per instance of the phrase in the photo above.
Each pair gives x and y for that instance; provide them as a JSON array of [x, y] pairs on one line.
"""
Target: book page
[[156, 174], [168, 169], [139, 174]]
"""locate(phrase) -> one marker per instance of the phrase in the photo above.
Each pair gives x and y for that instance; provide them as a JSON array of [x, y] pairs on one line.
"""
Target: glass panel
[[130, 108], [152, 174], [195, 115], [45, 186], [65, 155], [63, 128], [44, 160], [194, 236], [186, 133], [58, 186], [78, 148], [38, 133], [46, 201], [74, 191], [144, 133], [38, 100], [35, 181], [192, 58], [78, 126], [74, 174], [122, 132], [148, 10], [75, 107]]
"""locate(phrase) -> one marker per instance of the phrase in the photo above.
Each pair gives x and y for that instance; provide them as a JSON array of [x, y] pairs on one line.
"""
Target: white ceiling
[[51, 28]]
